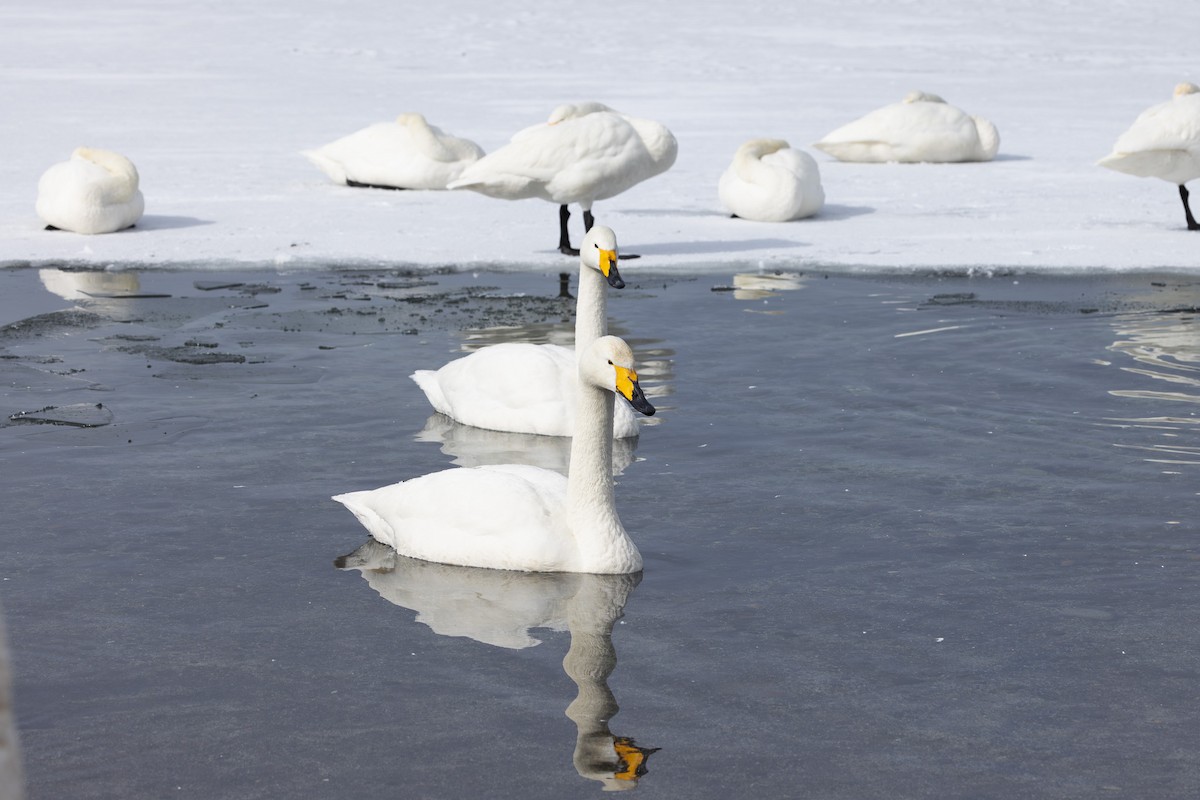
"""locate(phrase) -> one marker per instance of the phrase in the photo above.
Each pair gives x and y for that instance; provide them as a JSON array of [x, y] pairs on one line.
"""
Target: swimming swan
[[530, 388], [406, 154], [96, 191], [1164, 142], [922, 127], [519, 517], [583, 153], [768, 181]]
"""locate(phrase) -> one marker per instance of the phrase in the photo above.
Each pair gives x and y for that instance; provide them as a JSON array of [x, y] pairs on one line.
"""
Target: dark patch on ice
[[184, 354], [77, 415], [75, 318], [212, 286]]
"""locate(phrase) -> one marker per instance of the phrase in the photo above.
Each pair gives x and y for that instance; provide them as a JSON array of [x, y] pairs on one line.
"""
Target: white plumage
[[1164, 143], [531, 388], [406, 154], [769, 181], [519, 517], [95, 191], [582, 154], [922, 127]]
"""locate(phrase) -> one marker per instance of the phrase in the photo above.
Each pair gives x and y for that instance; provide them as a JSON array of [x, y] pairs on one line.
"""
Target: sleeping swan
[[530, 388], [406, 154], [1164, 142], [96, 191], [583, 153], [768, 181], [519, 517], [923, 127]]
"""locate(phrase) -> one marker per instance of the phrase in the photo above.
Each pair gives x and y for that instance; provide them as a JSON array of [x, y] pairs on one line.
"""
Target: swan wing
[[501, 517]]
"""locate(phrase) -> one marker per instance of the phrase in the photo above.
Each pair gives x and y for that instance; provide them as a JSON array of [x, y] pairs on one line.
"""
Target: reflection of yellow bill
[[633, 759]]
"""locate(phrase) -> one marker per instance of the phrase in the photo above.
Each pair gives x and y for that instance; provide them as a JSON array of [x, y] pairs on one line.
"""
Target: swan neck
[[591, 309], [600, 539]]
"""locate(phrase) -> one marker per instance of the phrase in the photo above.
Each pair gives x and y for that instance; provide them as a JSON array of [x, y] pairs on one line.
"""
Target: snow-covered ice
[[214, 103]]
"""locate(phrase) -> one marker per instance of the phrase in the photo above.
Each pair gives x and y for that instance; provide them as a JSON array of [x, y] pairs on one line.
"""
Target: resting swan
[[583, 153], [768, 181], [519, 517], [922, 127], [406, 154], [96, 191], [1164, 142], [530, 388]]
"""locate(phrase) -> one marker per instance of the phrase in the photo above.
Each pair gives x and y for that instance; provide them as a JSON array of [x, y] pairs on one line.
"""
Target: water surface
[[926, 536]]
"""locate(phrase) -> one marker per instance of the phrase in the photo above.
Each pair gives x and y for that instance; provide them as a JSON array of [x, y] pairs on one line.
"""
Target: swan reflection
[[1164, 347], [761, 285], [88, 284], [473, 447], [501, 608]]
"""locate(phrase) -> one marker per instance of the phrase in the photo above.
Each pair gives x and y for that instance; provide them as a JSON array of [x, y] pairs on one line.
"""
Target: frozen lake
[[905, 536]]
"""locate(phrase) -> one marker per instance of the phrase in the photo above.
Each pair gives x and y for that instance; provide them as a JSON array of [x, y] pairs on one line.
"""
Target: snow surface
[[214, 102]]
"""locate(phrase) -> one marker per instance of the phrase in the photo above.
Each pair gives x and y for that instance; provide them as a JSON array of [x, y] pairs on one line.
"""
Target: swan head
[[599, 251], [922, 97], [1186, 88], [571, 111], [608, 364]]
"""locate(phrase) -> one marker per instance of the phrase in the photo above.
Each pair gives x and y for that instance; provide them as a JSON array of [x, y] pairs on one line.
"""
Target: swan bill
[[627, 386], [608, 267]]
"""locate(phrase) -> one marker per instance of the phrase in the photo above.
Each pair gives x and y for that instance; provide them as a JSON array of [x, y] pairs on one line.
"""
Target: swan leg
[[1187, 210], [564, 238]]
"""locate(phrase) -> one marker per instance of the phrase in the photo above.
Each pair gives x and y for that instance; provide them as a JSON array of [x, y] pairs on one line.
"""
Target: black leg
[[564, 238], [1187, 210]]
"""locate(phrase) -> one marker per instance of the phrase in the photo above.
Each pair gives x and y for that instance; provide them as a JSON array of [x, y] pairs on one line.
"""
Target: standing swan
[[96, 191], [406, 154], [922, 127], [768, 181], [1164, 142], [583, 153], [519, 517], [530, 388]]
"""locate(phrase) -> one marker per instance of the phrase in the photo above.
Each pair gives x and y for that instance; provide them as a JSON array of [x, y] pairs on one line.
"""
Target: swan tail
[[335, 171], [427, 379], [359, 505]]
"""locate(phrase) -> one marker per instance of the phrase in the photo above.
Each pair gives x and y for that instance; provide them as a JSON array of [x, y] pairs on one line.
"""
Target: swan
[[768, 181], [95, 191], [530, 388], [406, 154], [518, 517], [1164, 142], [582, 153], [922, 127]]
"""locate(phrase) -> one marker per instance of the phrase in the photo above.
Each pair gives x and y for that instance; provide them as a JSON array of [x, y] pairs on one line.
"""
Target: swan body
[[95, 191], [768, 181], [583, 153], [518, 517], [531, 388], [406, 154], [922, 127], [1163, 143]]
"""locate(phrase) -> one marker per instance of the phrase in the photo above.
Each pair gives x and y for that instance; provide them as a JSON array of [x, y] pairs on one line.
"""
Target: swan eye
[[610, 362], [596, 245]]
